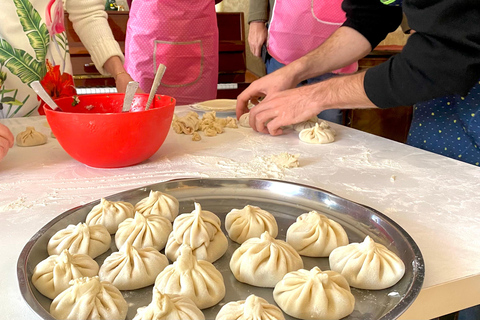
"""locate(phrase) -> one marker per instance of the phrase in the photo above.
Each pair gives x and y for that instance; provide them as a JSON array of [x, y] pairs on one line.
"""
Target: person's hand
[[6, 140], [257, 35], [121, 82]]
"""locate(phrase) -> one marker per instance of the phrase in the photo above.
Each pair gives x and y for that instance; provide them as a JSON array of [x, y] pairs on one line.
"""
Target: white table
[[435, 199]]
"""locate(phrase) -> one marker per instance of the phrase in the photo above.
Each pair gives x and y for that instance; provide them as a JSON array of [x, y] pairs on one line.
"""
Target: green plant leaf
[[20, 63], [12, 101]]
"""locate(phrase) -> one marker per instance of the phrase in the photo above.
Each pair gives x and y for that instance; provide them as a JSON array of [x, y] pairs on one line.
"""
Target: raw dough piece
[[144, 231], [314, 294], [196, 136], [314, 235], [132, 268], [52, 275], [253, 308], [249, 222], [187, 124], [321, 133], [110, 214], [196, 279], [88, 298], [286, 160], [30, 137], [169, 307], [310, 123], [82, 238], [201, 231], [263, 261], [367, 265], [159, 203], [244, 120]]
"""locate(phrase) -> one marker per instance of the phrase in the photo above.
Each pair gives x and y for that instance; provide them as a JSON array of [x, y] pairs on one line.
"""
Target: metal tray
[[285, 201]]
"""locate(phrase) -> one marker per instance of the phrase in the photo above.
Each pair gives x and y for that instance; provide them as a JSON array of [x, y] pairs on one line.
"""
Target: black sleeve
[[441, 58], [372, 19]]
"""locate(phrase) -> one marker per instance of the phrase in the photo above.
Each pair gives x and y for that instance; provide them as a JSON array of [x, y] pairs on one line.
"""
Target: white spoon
[[38, 88], [156, 82], [132, 87]]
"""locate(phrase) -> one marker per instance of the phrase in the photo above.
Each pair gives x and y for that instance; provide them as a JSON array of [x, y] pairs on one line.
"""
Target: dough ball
[[244, 120], [200, 230], [196, 279], [144, 231], [30, 137], [159, 203], [110, 214], [319, 134], [314, 235], [82, 238], [169, 307], [253, 308], [314, 294], [263, 261], [367, 265], [249, 222], [52, 275]]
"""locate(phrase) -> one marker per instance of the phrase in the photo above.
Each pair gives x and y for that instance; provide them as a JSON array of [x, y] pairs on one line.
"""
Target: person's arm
[[6, 140], [257, 19]]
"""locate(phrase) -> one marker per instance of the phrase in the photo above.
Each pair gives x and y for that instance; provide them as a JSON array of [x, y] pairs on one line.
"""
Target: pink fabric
[[297, 27], [183, 35]]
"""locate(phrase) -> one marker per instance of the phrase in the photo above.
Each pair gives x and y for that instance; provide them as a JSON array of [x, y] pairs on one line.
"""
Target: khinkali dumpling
[[197, 279], [244, 120], [52, 275], [263, 261], [253, 308], [314, 235], [144, 231], [159, 203], [30, 137], [82, 238], [310, 123], [314, 294], [249, 222], [169, 307], [200, 230], [320, 133], [89, 299], [367, 265], [110, 214], [133, 268]]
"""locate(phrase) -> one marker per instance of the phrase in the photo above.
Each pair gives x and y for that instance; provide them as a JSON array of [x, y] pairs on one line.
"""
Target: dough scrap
[[30, 138], [286, 160], [319, 134]]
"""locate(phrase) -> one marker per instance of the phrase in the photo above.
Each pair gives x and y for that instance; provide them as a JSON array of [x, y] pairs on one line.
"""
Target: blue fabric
[[472, 313], [449, 126]]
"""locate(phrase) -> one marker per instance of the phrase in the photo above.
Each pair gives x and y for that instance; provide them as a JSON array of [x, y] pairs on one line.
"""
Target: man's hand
[[257, 36], [6, 140]]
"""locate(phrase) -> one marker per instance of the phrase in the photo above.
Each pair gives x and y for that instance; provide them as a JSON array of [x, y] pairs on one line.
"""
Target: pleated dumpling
[[367, 265], [253, 308], [110, 214], [314, 294], [82, 238], [169, 307], [320, 133], [133, 268], [52, 275], [308, 124], [249, 222], [30, 137], [263, 261], [200, 230], [315, 235], [159, 203], [89, 298], [144, 231], [198, 280]]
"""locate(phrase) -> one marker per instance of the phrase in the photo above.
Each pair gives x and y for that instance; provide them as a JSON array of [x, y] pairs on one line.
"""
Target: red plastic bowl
[[95, 131]]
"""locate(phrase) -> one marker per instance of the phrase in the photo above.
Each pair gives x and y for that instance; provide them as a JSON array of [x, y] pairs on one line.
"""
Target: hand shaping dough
[[314, 294], [169, 307], [244, 120], [88, 298], [310, 123], [144, 231], [159, 203], [367, 265], [110, 214], [196, 279], [253, 308], [263, 261], [249, 222], [321, 133], [132, 268], [52, 275], [91, 240], [200, 230], [314, 235], [30, 137]]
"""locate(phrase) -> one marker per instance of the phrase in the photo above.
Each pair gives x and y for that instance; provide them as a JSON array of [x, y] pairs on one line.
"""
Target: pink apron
[[183, 35], [299, 26]]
